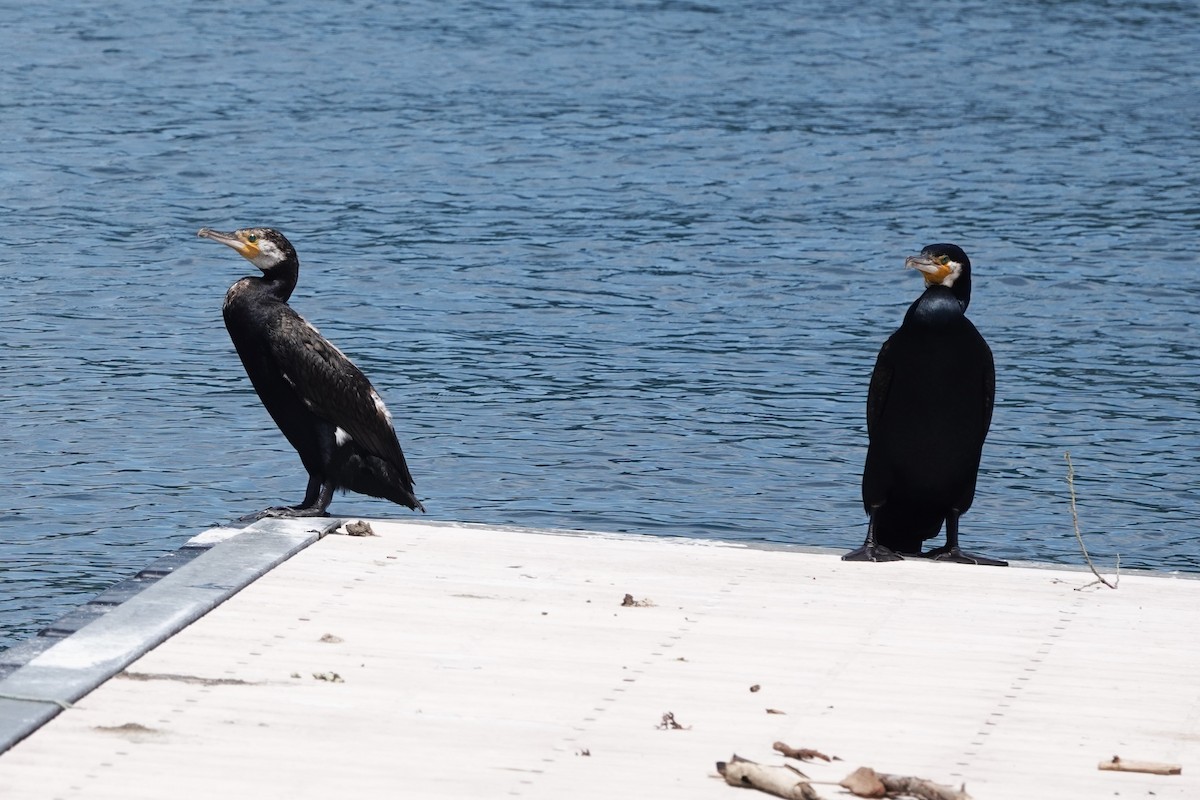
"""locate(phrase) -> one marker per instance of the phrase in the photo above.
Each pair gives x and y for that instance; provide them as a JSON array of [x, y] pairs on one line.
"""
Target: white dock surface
[[477, 663]]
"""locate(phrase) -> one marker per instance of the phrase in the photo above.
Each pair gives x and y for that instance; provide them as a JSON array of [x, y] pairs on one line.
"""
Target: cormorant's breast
[[254, 317], [238, 291], [936, 307]]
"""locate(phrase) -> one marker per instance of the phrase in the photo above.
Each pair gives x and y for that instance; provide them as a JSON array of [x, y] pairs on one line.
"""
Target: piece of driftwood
[[801, 753], [787, 782], [1118, 764], [866, 782]]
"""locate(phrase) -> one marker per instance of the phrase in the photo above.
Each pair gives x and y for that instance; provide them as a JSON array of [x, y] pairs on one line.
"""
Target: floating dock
[[440, 661]]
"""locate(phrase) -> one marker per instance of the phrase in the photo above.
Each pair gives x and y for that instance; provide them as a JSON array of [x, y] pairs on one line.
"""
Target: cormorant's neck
[[962, 289], [280, 280], [936, 306]]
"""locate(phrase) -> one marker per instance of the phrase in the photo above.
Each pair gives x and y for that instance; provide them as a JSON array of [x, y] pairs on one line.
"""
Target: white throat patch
[[955, 271], [268, 255]]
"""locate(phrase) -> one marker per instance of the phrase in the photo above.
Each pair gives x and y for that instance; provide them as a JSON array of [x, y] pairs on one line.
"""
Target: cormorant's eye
[[941, 260], [252, 238]]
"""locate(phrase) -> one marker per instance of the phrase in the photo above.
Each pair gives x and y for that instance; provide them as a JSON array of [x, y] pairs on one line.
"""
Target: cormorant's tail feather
[[367, 474], [900, 530]]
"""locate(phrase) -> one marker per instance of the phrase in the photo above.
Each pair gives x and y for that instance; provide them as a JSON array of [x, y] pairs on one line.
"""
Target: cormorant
[[929, 407], [324, 405]]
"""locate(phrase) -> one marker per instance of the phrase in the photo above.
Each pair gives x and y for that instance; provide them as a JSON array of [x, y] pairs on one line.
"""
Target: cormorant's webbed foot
[[287, 512], [316, 500], [950, 551], [282, 512], [956, 555], [870, 551]]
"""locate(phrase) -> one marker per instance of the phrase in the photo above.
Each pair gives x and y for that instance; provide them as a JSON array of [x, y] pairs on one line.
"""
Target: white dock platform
[[433, 661]]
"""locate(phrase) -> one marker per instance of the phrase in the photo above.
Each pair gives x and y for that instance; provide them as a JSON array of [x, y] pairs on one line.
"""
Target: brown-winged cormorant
[[324, 405], [929, 407]]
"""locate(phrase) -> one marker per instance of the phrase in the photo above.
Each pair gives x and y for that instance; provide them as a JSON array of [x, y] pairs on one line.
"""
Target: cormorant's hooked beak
[[940, 271], [238, 240]]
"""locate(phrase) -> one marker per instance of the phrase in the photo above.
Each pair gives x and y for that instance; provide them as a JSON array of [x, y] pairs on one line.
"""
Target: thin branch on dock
[[1118, 764], [1079, 536], [802, 753]]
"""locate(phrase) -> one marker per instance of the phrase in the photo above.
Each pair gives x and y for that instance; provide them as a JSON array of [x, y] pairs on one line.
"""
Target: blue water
[[613, 265]]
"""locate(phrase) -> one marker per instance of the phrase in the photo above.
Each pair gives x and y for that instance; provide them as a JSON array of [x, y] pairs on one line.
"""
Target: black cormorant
[[323, 404], [929, 407]]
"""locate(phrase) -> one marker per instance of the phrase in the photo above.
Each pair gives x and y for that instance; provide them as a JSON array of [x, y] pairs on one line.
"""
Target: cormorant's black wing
[[881, 381], [989, 385], [333, 388]]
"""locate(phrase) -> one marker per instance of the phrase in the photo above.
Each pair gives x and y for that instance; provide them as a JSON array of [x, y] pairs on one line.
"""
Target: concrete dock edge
[[226, 560]]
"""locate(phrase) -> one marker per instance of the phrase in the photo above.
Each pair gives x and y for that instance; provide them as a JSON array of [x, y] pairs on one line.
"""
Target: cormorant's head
[[942, 264], [265, 248], [945, 265]]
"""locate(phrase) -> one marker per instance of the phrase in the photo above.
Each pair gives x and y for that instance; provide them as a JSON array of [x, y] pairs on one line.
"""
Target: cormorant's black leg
[[872, 550], [311, 493], [326, 498], [950, 551]]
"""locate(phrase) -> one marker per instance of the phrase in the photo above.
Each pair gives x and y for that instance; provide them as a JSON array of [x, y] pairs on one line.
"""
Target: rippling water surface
[[613, 265]]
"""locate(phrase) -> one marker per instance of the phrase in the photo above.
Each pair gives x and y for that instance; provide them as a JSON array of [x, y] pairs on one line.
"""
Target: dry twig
[[1079, 536], [1118, 764], [802, 753]]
